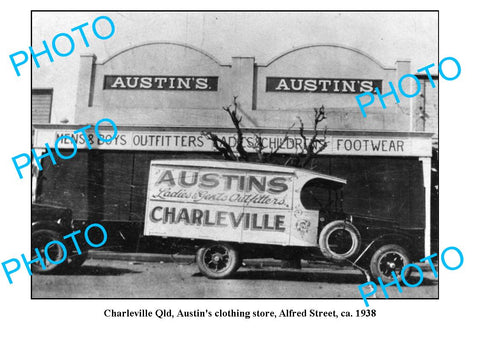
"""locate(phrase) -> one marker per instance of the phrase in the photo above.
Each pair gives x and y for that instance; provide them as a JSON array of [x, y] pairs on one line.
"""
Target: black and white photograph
[[247, 170], [225, 150]]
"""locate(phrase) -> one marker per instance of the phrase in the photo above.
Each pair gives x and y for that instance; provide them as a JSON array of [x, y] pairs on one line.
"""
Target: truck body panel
[[231, 201]]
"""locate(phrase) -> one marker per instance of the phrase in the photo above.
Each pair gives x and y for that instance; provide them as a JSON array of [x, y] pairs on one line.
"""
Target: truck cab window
[[321, 195]]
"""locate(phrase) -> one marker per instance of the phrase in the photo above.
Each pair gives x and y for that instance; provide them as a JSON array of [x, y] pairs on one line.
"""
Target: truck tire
[[218, 260], [339, 241], [40, 238], [388, 258]]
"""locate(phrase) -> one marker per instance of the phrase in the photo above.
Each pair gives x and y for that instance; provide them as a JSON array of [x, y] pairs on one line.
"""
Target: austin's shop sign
[[321, 85], [170, 83]]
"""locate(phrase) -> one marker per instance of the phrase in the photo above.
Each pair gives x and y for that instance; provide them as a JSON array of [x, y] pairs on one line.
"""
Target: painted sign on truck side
[[236, 202]]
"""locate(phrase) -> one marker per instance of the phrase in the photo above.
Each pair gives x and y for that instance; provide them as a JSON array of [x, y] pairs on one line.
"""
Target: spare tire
[[339, 241]]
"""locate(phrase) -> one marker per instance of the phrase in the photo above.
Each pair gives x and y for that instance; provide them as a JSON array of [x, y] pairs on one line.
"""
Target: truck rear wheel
[[40, 238], [218, 260], [387, 259], [339, 240]]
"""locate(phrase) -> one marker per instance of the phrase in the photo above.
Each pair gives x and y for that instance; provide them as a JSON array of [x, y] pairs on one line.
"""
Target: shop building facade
[[162, 96]]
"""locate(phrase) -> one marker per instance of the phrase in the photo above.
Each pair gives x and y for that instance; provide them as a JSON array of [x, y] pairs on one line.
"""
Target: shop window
[[41, 105]]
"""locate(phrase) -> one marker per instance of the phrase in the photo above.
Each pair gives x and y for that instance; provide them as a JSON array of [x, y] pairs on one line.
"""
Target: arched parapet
[[153, 76], [319, 74], [166, 43], [304, 47]]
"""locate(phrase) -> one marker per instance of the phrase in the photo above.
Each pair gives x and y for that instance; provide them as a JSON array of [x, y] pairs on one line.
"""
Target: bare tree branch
[[293, 161], [236, 122], [316, 144], [221, 145], [302, 134], [309, 147], [322, 142], [259, 147], [280, 145]]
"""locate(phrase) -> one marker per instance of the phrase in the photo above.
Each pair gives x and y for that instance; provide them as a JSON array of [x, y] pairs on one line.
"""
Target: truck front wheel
[[387, 259], [218, 260]]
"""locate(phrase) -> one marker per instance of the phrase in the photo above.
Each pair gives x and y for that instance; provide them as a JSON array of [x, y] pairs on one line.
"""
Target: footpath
[[190, 259]]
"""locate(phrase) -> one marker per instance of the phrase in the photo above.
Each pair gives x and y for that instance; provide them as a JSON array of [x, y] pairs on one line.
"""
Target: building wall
[[426, 108], [324, 61], [166, 60], [242, 78], [109, 182]]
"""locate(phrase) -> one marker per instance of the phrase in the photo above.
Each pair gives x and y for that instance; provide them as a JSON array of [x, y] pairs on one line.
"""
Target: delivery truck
[[230, 211]]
